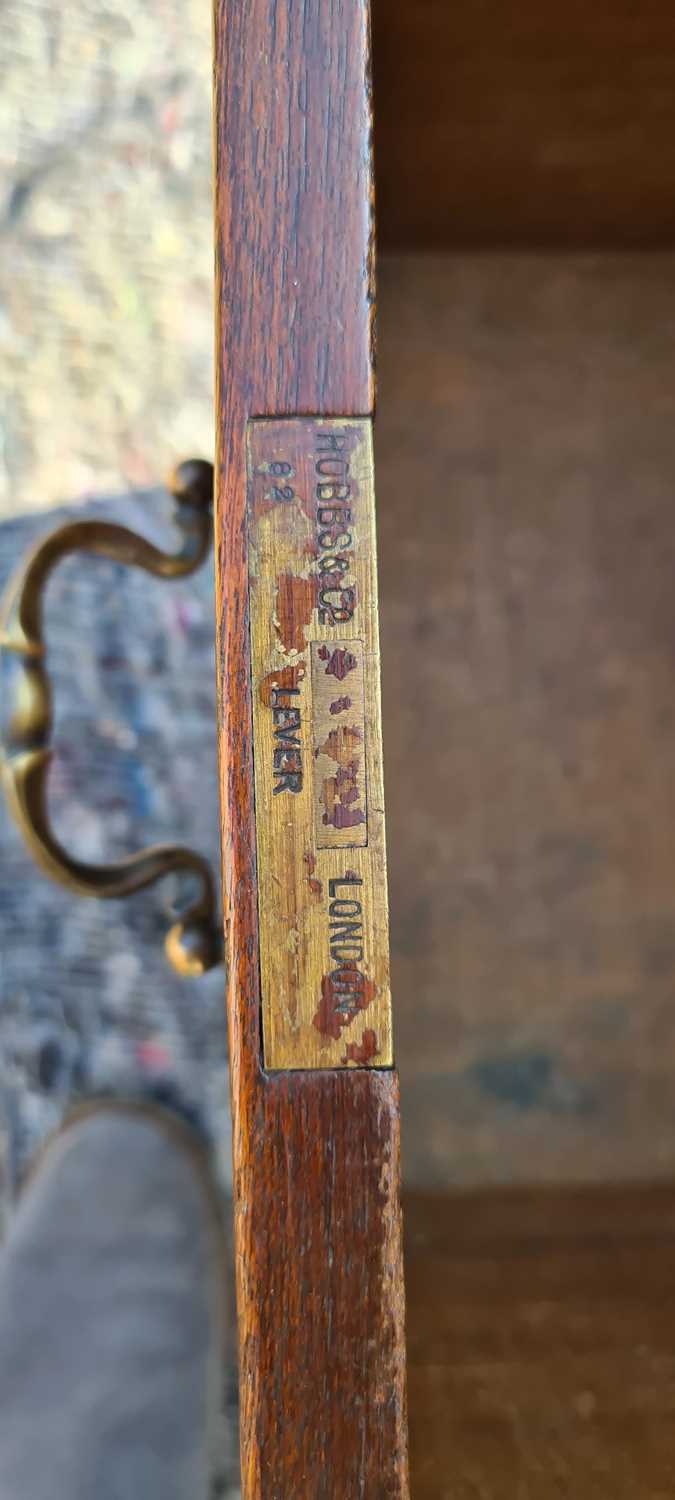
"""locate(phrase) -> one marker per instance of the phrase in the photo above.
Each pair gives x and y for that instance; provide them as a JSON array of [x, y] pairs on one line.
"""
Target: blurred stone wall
[[105, 245]]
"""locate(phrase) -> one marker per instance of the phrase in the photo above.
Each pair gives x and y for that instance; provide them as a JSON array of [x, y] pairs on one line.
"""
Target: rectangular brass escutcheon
[[322, 883]]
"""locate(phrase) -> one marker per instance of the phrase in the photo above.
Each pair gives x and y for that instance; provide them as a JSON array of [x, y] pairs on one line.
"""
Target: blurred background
[[106, 310], [106, 322], [106, 343]]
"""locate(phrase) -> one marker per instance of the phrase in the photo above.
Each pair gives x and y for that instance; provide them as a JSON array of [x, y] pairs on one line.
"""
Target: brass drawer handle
[[194, 943]]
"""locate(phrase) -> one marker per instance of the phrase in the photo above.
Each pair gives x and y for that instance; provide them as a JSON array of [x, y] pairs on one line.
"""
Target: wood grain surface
[[317, 1218], [528, 621], [541, 1343], [525, 123]]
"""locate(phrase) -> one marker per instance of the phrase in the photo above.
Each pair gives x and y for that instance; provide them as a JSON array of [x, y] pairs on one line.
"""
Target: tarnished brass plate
[[322, 885]]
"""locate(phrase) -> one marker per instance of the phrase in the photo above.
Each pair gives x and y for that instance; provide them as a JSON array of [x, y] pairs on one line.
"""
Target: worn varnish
[[317, 1225], [322, 880], [527, 623], [525, 123]]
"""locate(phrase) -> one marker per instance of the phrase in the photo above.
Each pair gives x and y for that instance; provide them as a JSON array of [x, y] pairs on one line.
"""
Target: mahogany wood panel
[[527, 403], [541, 1344], [525, 122], [317, 1219]]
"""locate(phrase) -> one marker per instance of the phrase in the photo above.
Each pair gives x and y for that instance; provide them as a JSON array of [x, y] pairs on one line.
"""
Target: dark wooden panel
[[525, 122], [525, 453], [317, 1226], [294, 221], [541, 1344]]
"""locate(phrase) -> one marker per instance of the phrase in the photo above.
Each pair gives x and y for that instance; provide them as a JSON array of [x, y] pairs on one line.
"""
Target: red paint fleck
[[283, 677], [315, 886], [364, 1051], [295, 601], [341, 743], [340, 705], [344, 993], [340, 661], [342, 792], [339, 794]]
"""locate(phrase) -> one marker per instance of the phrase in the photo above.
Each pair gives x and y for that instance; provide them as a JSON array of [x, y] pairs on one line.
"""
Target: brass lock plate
[[322, 883]]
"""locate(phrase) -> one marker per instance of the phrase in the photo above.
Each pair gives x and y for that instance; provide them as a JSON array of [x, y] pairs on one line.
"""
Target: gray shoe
[[111, 1315]]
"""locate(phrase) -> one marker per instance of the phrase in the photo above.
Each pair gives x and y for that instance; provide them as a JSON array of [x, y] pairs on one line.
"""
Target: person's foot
[[111, 1315]]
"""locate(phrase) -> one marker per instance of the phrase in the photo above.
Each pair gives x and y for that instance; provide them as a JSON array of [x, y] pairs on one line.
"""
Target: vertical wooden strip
[[317, 1221]]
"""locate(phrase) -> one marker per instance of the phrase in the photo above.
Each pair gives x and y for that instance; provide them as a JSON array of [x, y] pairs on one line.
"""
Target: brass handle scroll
[[194, 942]]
